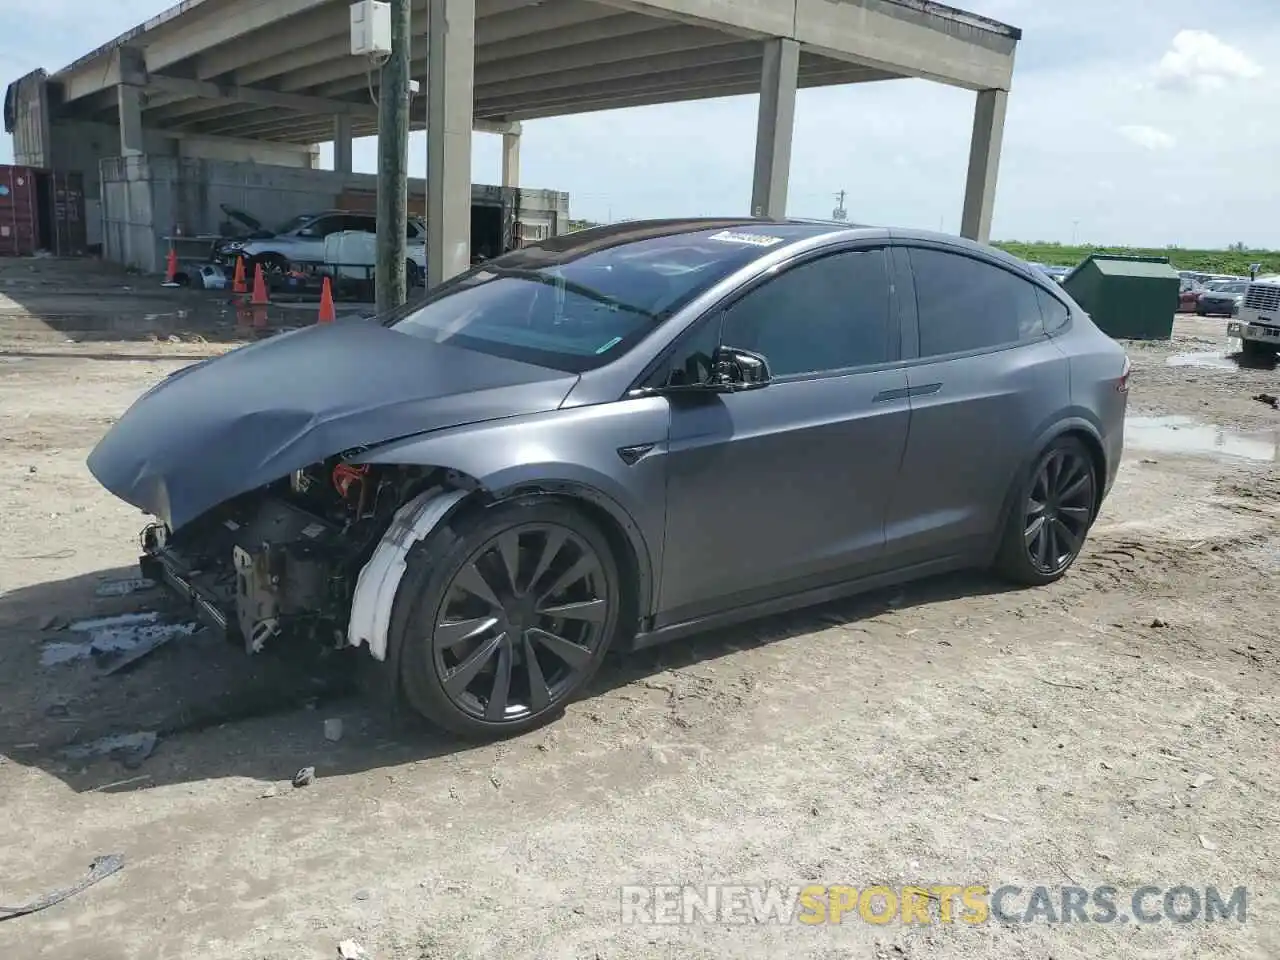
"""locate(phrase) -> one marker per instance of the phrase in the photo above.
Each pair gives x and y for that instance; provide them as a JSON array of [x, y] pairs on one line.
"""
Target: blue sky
[[1129, 122]]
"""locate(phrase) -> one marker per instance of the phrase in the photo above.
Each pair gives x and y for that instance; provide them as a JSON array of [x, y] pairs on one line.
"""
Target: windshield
[[583, 307]]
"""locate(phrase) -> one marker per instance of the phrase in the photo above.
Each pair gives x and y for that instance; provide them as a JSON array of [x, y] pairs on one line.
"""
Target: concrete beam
[[450, 97], [263, 123], [984, 164], [316, 55], [708, 77], [265, 47], [747, 18], [652, 44], [679, 93], [907, 41], [493, 46], [779, 76], [123, 65], [668, 66], [218, 113], [342, 137], [223, 24], [499, 127], [205, 90]]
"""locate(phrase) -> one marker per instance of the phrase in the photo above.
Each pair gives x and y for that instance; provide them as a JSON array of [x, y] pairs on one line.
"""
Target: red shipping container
[[19, 212], [41, 210]]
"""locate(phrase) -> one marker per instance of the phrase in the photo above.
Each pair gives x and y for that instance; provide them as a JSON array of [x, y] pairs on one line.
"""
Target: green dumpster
[[1128, 297]]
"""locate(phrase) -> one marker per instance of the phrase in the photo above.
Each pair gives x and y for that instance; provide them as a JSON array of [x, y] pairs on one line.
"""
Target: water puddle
[[1189, 436]]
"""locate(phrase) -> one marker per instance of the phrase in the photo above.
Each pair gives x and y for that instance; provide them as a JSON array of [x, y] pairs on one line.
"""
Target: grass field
[[1232, 262]]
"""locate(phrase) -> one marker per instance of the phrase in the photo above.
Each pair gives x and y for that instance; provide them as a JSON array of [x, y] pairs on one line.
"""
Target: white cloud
[[1149, 138], [1199, 61]]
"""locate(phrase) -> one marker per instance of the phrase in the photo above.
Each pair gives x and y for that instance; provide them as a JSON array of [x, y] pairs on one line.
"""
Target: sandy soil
[[954, 732]]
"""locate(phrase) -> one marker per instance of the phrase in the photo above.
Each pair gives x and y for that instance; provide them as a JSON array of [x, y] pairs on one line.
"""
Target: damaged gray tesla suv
[[619, 437]]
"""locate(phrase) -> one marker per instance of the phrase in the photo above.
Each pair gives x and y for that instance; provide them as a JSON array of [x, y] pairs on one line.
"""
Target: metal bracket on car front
[[380, 578]]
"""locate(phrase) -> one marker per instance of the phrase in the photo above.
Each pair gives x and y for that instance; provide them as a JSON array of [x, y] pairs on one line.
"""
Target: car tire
[[1051, 511], [270, 263], [452, 665], [1254, 350]]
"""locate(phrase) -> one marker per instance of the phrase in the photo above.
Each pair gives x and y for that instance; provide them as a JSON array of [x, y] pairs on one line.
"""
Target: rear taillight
[[1122, 385]]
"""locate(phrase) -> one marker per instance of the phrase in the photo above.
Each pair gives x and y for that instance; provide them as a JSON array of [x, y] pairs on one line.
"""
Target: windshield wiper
[[572, 287]]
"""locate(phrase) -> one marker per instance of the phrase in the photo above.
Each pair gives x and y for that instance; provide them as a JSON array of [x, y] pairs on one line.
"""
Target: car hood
[[226, 425]]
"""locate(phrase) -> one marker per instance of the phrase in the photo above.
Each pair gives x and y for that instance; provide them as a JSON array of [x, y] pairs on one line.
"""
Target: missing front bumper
[[257, 573]]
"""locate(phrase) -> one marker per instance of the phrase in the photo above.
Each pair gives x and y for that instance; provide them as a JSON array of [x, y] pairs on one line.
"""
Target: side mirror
[[733, 369]]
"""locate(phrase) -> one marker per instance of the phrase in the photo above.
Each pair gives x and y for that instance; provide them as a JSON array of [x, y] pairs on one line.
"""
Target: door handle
[[884, 396], [924, 390]]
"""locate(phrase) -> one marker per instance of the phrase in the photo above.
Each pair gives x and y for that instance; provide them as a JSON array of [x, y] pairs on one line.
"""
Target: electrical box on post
[[370, 28]]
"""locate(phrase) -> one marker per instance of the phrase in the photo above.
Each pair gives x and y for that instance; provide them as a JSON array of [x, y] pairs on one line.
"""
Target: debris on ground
[[1159, 624], [124, 634], [333, 730], [100, 869], [350, 950], [304, 777], [130, 749], [1203, 780], [1207, 843], [122, 588], [1270, 400]]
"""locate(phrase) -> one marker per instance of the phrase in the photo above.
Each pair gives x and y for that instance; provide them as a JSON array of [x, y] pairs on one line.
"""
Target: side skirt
[[797, 601]]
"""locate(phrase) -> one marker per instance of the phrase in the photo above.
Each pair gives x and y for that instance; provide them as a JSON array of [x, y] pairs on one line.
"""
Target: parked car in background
[[302, 240], [622, 436], [1189, 295], [1221, 298], [1055, 273]]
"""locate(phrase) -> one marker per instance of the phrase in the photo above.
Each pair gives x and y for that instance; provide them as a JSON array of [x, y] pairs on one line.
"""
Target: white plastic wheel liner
[[380, 578]]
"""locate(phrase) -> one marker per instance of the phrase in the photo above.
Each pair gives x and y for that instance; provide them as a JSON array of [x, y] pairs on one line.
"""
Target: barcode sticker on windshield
[[752, 239]]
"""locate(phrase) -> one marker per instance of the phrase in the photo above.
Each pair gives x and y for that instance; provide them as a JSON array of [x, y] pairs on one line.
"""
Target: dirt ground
[[1121, 727]]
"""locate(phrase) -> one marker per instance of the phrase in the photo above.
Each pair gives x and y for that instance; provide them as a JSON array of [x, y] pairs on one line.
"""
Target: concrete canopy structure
[[281, 70]]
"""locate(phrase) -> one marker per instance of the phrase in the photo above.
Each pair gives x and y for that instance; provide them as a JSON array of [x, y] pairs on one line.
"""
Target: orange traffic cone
[[327, 313], [259, 287], [171, 269], [237, 284]]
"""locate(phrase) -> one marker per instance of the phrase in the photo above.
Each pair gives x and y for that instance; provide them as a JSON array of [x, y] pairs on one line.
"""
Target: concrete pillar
[[342, 143], [450, 98], [511, 157], [984, 164], [773, 128], [130, 103]]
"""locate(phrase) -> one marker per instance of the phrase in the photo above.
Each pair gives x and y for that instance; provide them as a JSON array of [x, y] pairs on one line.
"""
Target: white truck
[[1258, 323]]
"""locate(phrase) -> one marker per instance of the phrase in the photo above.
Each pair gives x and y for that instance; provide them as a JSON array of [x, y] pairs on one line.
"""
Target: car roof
[[789, 230]]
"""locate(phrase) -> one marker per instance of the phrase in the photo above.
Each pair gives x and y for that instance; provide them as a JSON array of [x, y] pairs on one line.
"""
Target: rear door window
[[966, 304]]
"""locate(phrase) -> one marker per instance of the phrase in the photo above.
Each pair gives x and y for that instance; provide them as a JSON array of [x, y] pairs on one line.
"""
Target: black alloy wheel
[[520, 623], [1051, 515], [1059, 510], [504, 616]]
